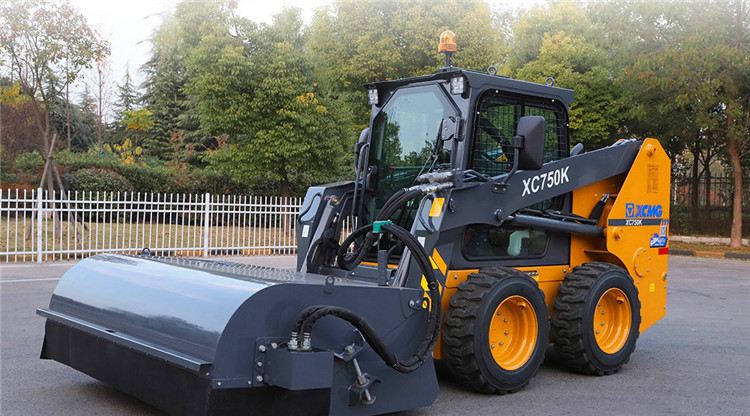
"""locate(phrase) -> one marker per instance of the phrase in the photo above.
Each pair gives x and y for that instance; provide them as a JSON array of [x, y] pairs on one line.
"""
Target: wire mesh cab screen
[[496, 123]]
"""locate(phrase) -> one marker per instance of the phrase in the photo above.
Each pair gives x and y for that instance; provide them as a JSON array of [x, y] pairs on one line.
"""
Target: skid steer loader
[[478, 237]]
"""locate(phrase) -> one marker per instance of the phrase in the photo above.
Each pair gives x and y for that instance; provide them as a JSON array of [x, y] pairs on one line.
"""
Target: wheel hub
[[612, 320], [513, 332]]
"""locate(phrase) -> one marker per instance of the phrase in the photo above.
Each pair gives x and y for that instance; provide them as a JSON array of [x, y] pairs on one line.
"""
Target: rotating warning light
[[447, 42]]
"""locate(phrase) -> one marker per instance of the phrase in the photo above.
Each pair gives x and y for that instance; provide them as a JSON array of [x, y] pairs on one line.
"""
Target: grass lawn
[[724, 248], [171, 239]]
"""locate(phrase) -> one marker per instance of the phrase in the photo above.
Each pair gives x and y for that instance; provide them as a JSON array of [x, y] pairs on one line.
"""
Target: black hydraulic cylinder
[[551, 224]]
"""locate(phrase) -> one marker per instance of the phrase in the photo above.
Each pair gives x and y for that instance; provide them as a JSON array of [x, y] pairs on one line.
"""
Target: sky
[[128, 24]]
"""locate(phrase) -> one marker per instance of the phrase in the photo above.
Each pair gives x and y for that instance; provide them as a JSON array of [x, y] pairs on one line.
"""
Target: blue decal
[[630, 210], [657, 241], [642, 211]]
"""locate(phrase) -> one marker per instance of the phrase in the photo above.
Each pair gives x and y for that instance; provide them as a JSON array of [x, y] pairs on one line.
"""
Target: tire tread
[[460, 320], [567, 317]]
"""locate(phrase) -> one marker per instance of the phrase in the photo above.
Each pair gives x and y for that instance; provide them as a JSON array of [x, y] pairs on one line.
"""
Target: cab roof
[[481, 81]]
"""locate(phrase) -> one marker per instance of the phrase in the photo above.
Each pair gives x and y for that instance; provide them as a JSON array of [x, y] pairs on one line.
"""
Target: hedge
[[152, 177], [98, 180]]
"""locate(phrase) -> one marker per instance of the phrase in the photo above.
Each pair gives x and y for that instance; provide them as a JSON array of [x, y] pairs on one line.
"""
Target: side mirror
[[358, 148], [529, 141], [528, 148]]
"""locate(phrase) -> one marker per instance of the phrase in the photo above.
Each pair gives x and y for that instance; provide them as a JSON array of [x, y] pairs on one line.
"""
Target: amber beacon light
[[448, 46]]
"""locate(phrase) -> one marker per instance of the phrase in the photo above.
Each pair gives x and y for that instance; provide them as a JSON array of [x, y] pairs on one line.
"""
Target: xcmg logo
[[642, 211]]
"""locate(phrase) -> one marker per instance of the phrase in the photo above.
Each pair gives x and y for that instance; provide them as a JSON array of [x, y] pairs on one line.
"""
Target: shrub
[[13, 187], [74, 161], [30, 161], [6, 178], [150, 176], [99, 180]]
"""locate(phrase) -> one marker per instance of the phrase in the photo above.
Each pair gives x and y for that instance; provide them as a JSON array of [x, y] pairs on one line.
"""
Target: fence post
[[39, 225], [206, 222]]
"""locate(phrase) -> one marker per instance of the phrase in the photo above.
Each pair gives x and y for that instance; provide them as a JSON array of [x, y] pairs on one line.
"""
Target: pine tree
[[127, 96], [83, 120], [165, 95]]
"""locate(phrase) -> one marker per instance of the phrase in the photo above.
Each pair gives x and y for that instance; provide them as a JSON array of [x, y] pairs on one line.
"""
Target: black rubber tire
[[466, 333], [572, 318]]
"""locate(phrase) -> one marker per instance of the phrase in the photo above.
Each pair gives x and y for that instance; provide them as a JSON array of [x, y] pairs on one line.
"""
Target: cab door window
[[496, 123]]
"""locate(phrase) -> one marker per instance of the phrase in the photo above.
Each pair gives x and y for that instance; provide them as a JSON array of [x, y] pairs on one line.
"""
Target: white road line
[[29, 280], [18, 266]]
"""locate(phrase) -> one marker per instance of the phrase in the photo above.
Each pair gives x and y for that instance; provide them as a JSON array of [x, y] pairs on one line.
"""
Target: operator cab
[[457, 119]]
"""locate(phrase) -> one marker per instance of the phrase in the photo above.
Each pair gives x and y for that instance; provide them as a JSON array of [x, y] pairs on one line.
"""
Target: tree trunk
[[694, 184], [733, 147], [707, 193], [99, 118], [285, 190], [51, 187], [67, 111]]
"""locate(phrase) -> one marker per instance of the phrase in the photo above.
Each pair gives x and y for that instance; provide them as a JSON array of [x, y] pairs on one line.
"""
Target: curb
[[710, 254], [706, 240]]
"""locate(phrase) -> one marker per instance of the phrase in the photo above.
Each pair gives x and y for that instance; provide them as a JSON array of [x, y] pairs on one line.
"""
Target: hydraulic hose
[[307, 318], [349, 261], [395, 202], [303, 316]]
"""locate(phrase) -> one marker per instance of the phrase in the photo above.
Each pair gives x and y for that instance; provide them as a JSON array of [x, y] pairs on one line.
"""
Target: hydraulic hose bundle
[[349, 261], [363, 238], [397, 200], [306, 319]]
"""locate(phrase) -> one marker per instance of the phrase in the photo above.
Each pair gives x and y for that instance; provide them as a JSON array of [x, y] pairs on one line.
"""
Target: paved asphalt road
[[695, 361]]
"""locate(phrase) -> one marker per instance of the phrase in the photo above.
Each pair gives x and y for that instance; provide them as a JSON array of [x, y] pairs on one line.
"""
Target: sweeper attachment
[[198, 337], [480, 237]]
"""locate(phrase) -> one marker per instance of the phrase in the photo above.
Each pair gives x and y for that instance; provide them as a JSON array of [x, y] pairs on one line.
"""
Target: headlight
[[372, 96], [457, 85]]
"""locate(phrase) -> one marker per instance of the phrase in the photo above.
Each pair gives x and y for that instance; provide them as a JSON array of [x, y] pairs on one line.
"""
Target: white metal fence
[[39, 226]]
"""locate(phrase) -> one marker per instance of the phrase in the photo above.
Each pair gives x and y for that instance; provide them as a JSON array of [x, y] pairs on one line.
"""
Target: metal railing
[[39, 226], [705, 207]]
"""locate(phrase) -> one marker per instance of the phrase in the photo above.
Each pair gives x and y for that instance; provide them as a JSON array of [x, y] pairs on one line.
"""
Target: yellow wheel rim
[[513, 332], [612, 320]]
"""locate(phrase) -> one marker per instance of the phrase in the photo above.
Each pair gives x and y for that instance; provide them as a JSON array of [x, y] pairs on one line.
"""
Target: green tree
[[127, 96], [162, 88], [579, 65], [701, 71], [359, 42], [45, 45], [736, 79], [126, 99], [261, 98], [223, 85], [81, 118], [541, 20], [167, 75]]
